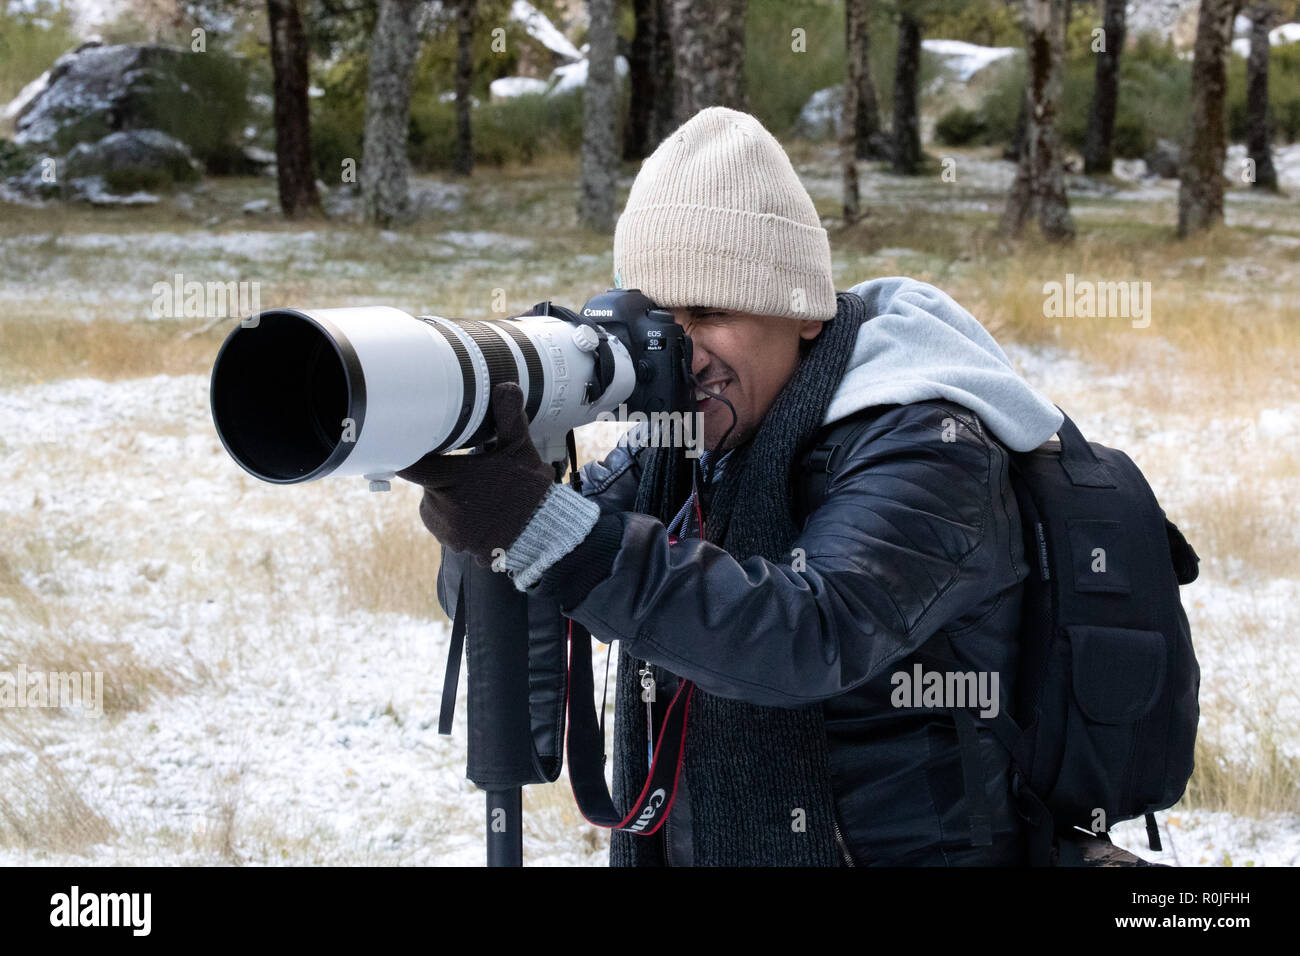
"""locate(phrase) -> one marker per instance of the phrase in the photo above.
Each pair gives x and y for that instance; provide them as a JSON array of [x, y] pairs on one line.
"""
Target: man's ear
[[809, 329]]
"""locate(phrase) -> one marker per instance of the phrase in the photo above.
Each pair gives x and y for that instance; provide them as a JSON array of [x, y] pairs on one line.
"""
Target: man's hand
[[477, 503]]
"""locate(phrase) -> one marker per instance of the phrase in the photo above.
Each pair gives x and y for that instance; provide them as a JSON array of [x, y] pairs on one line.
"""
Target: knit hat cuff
[[689, 255]]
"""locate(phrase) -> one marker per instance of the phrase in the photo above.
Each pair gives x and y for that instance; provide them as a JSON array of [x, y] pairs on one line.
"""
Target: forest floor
[[273, 656]]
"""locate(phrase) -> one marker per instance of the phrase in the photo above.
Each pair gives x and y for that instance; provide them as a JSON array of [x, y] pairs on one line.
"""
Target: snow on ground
[[506, 87], [1286, 33], [540, 28], [1190, 456], [966, 59], [113, 274], [312, 729]]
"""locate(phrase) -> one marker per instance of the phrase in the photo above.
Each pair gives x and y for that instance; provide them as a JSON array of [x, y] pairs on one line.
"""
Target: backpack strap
[[972, 761], [1078, 459], [819, 465]]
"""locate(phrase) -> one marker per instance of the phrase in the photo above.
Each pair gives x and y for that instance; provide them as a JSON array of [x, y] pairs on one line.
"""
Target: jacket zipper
[[840, 840]]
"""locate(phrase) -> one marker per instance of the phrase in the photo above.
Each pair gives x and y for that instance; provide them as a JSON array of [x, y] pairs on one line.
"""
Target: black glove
[[477, 503]]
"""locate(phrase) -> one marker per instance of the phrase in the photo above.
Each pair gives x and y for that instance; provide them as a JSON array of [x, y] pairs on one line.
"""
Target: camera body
[[659, 348]]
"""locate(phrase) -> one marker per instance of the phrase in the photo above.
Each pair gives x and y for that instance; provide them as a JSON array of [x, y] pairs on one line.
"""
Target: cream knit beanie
[[717, 217]]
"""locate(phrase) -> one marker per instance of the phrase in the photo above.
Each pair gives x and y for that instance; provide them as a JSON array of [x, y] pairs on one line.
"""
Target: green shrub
[[205, 107], [14, 160], [1154, 97], [958, 127], [778, 79], [986, 22], [1283, 93], [1001, 104], [518, 130], [32, 37]]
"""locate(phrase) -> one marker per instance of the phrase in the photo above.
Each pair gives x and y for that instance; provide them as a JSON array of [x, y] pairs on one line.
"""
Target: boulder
[[134, 159], [1163, 158], [94, 90], [821, 115]]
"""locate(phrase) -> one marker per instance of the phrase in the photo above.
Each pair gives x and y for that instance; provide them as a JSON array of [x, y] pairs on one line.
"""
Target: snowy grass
[[273, 656]]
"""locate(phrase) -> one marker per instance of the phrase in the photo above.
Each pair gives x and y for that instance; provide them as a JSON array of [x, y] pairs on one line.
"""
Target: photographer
[[791, 588]]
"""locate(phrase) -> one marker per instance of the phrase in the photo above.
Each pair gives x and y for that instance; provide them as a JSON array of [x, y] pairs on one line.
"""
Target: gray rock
[[132, 159], [1163, 158], [428, 199], [94, 91], [822, 118], [821, 115], [258, 207], [97, 192], [343, 203]]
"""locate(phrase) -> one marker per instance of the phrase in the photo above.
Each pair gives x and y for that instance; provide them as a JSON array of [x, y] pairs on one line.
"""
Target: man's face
[[748, 358]]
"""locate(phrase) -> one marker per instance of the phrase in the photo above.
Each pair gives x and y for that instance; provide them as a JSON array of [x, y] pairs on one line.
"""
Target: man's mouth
[[717, 387]]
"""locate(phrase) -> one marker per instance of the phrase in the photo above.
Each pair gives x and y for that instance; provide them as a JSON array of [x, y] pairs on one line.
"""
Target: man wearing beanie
[[851, 520]]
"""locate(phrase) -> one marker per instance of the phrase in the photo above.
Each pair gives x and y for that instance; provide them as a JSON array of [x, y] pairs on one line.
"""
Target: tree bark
[[599, 156], [463, 159], [1039, 187], [708, 56], [1200, 192], [663, 117], [295, 174], [853, 11], [907, 95], [857, 42], [1259, 132], [386, 167], [639, 129], [1098, 156]]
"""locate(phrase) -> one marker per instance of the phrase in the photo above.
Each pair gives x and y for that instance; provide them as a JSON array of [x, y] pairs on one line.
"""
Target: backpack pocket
[[1117, 677]]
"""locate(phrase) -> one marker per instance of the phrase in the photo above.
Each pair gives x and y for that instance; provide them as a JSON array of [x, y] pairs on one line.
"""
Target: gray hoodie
[[918, 344]]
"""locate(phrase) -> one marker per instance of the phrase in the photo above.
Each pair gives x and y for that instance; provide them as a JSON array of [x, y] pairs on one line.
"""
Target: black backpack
[[1108, 680], [1106, 711]]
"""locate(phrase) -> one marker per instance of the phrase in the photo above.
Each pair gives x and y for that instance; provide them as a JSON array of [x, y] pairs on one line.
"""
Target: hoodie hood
[[917, 344]]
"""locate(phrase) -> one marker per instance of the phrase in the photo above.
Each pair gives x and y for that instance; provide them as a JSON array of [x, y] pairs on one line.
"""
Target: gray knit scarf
[[747, 767]]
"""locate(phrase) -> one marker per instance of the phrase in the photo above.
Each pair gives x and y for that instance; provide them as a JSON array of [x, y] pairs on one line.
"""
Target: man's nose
[[699, 356]]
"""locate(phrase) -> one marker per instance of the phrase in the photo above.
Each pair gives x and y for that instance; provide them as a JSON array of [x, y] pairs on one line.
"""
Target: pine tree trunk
[[463, 159], [857, 42], [1039, 187], [296, 177], [386, 167], [907, 95], [1259, 133], [664, 114], [708, 55], [1098, 156], [853, 11], [639, 129], [599, 156], [1200, 193]]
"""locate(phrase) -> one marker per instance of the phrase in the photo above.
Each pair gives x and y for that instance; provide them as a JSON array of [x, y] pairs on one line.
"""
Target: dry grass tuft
[[40, 808], [395, 567]]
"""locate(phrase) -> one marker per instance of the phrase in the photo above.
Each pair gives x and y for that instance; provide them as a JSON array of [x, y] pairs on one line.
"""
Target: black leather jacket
[[916, 531]]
